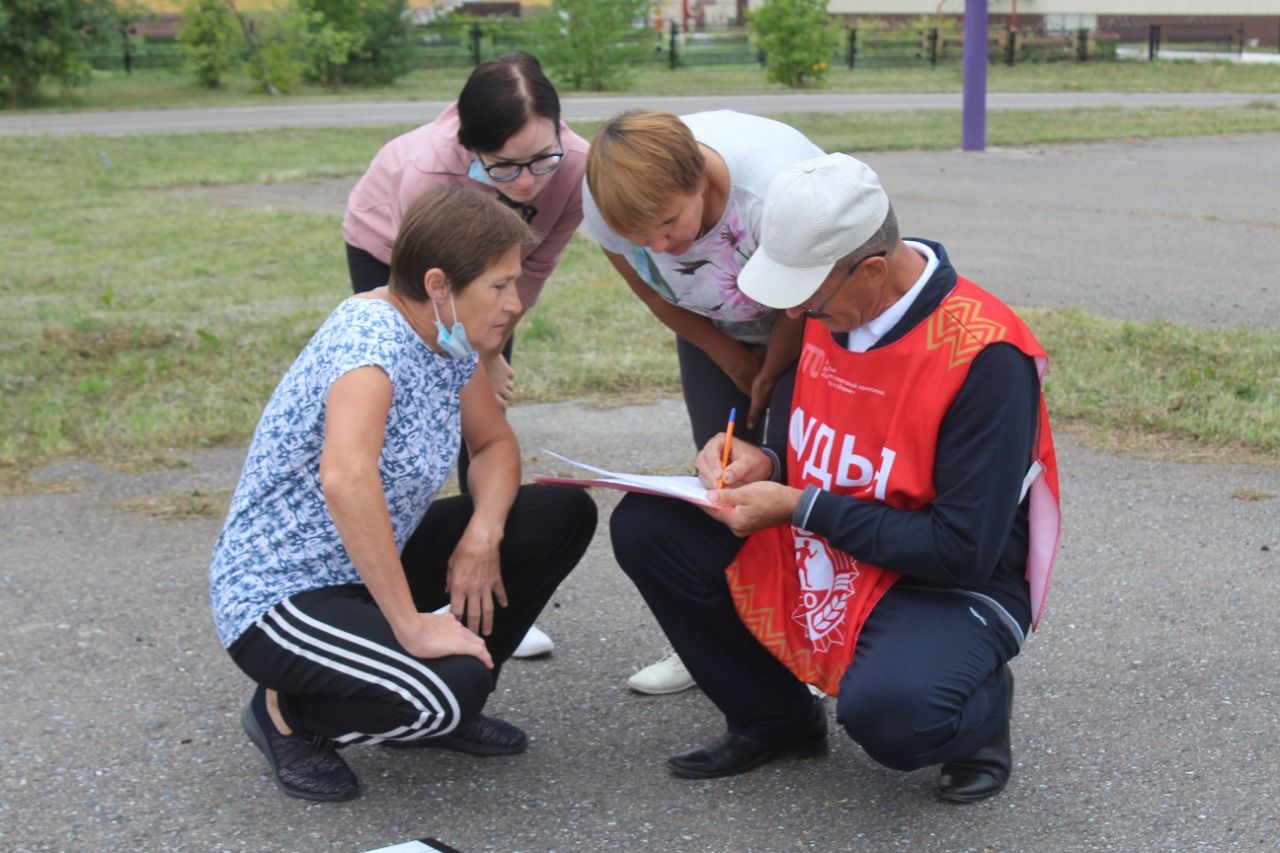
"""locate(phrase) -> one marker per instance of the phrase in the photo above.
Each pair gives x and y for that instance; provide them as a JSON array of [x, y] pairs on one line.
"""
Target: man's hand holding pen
[[749, 500]]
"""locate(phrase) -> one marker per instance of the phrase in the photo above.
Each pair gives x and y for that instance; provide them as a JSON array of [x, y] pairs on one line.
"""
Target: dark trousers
[[709, 394], [925, 685], [341, 674], [367, 273]]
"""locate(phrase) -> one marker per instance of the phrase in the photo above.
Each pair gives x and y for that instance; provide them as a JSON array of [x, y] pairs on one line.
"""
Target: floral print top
[[704, 279]]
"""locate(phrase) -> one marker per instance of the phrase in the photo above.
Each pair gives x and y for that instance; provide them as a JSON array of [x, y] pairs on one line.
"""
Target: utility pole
[[974, 132]]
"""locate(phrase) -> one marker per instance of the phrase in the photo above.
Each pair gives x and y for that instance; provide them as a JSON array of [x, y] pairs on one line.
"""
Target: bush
[[798, 39], [211, 40], [592, 44], [387, 51], [365, 42], [281, 57], [45, 40]]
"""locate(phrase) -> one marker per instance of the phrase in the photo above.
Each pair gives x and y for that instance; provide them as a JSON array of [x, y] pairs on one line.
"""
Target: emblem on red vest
[[826, 581]]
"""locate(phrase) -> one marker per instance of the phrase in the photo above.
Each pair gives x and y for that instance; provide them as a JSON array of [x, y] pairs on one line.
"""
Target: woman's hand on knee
[[438, 635], [474, 580]]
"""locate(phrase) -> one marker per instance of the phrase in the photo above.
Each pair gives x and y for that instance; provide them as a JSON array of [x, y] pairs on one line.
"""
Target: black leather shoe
[[985, 773], [731, 754]]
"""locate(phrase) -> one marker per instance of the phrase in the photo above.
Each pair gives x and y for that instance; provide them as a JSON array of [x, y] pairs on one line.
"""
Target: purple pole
[[974, 134]]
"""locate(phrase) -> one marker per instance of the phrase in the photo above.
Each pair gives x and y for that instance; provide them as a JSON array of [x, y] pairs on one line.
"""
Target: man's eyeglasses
[[820, 310], [509, 170]]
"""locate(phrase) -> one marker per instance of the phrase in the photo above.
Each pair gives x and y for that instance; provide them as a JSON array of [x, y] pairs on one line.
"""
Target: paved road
[[1166, 229], [383, 113], [1148, 703]]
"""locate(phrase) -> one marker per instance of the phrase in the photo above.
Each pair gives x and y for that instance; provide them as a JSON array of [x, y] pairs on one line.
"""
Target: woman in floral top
[[676, 203]]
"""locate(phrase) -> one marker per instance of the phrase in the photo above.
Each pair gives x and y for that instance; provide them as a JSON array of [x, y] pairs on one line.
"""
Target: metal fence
[[455, 45], [1224, 39], [137, 53]]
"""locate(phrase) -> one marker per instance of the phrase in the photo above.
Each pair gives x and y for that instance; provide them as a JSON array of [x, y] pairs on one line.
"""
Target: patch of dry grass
[[180, 505]]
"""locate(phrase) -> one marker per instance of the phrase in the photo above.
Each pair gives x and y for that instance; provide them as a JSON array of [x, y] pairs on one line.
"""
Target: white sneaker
[[666, 676], [534, 645]]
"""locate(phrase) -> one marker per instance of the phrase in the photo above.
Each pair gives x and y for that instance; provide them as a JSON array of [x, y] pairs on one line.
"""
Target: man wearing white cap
[[895, 552]]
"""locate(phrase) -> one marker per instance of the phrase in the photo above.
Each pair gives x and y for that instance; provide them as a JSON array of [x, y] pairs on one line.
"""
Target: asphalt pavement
[[1183, 230], [1148, 702], [338, 113]]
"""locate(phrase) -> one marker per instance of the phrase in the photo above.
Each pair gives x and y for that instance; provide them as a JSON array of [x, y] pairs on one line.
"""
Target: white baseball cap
[[815, 213]]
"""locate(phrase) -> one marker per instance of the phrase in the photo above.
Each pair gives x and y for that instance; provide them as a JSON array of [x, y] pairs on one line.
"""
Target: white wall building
[[1256, 21], [700, 13], [1160, 8], [1259, 19]]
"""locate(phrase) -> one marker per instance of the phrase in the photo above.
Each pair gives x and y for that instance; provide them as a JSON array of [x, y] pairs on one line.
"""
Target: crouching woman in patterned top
[[365, 610]]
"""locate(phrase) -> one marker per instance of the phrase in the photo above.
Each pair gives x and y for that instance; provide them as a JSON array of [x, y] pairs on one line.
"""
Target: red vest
[[803, 599]]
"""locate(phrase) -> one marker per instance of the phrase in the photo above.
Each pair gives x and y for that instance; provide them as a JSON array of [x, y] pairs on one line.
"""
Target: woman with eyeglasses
[[503, 136]]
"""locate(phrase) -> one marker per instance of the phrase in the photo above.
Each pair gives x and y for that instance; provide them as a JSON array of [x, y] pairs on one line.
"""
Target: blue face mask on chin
[[477, 173], [453, 341]]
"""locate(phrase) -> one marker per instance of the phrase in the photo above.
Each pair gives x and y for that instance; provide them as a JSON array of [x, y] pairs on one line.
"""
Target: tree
[[387, 49], [357, 41], [211, 40], [592, 44], [328, 41], [797, 38], [298, 44], [45, 40]]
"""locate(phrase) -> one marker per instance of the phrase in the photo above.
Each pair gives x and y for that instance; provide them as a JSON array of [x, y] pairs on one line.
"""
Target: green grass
[[1211, 389], [155, 88], [141, 320], [934, 129]]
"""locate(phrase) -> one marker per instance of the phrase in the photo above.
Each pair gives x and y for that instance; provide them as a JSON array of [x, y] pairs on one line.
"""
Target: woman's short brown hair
[[641, 161], [458, 230]]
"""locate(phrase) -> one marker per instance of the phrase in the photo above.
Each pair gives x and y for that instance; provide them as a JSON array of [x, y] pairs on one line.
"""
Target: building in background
[[1252, 22], [700, 14], [1256, 21]]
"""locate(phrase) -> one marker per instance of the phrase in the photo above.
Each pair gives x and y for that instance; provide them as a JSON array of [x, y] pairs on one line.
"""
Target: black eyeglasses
[[509, 170], [820, 311]]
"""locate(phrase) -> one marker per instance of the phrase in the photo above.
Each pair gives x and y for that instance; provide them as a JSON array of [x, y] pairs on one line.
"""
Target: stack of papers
[[682, 488]]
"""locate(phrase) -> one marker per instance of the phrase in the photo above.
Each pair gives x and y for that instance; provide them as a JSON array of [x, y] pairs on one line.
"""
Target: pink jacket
[[430, 157]]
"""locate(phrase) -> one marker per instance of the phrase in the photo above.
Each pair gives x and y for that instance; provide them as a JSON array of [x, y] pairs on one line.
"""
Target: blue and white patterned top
[[278, 539]]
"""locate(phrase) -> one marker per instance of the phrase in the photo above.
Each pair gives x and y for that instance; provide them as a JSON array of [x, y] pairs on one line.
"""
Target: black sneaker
[[301, 769], [479, 736]]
